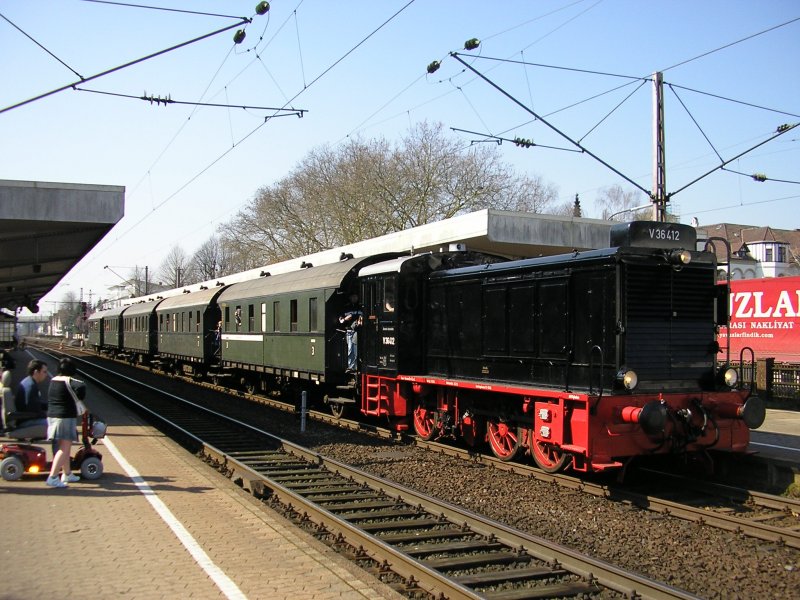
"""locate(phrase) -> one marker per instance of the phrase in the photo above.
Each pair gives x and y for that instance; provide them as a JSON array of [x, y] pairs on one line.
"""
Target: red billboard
[[765, 316]]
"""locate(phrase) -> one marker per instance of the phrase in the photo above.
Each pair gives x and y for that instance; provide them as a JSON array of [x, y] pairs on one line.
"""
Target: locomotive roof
[[561, 260], [311, 278], [201, 298]]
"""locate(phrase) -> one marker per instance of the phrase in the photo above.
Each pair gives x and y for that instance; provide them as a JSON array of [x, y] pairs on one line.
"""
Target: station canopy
[[45, 230]]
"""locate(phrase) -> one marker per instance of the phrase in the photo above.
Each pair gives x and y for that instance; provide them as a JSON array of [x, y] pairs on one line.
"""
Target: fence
[[778, 382]]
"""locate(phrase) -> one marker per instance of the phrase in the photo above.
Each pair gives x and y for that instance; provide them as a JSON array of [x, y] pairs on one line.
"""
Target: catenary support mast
[[659, 193]]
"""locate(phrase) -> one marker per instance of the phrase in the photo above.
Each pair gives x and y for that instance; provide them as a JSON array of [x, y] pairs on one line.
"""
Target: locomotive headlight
[[730, 377], [680, 257], [629, 379]]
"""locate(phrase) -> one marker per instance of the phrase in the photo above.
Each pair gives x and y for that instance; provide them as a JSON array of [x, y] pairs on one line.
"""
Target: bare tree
[[174, 270], [365, 189], [617, 204]]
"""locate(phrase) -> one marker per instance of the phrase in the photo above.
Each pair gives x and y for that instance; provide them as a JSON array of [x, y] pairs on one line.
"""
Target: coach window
[[312, 314], [251, 317], [191, 318], [227, 318], [237, 317], [263, 316], [276, 316], [293, 315], [197, 322]]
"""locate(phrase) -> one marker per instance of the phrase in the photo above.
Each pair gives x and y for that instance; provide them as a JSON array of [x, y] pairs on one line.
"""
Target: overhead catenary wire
[[123, 66], [260, 125], [158, 100], [163, 8], [15, 26]]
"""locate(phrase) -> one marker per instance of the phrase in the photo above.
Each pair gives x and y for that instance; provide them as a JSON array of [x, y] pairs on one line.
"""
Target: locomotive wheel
[[425, 422], [505, 439], [548, 457]]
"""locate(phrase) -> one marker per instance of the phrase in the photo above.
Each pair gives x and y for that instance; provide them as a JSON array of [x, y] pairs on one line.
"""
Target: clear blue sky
[[187, 170]]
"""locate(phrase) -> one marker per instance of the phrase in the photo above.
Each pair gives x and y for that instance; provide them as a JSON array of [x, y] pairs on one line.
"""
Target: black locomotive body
[[583, 360]]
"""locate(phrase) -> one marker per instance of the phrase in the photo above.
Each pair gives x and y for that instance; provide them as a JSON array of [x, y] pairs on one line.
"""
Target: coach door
[[380, 323]]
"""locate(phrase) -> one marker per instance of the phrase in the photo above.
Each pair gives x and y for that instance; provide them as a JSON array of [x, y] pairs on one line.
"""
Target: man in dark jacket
[[28, 399]]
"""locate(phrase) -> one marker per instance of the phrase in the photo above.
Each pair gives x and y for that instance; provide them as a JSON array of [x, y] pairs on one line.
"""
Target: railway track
[[433, 546], [750, 513], [754, 514]]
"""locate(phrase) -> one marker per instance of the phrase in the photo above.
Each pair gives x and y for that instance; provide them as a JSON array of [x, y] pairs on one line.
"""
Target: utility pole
[[146, 291], [659, 193]]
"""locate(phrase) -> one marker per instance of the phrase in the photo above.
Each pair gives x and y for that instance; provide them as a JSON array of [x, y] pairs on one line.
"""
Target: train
[[8, 330], [582, 361]]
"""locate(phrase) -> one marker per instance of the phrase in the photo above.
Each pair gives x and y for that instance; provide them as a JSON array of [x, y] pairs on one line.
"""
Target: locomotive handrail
[[591, 372], [710, 242], [752, 367]]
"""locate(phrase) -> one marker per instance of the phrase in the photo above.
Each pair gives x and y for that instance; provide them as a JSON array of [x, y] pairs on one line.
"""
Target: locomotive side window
[[312, 314]]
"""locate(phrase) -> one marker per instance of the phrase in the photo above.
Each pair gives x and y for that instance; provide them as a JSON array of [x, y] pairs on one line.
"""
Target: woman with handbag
[[64, 406]]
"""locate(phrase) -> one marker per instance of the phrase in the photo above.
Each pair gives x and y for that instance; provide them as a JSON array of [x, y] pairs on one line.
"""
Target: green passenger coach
[[285, 326]]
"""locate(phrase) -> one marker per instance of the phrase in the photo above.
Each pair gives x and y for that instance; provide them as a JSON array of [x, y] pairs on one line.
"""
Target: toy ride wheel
[[549, 458], [425, 422], [505, 439], [92, 468], [11, 468]]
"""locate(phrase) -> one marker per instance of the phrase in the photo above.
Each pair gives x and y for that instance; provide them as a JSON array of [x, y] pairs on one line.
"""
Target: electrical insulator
[[433, 67], [239, 36], [471, 44], [262, 8], [759, 177]]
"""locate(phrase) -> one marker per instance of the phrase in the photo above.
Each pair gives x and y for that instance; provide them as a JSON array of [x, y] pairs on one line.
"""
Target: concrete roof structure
[[45, 229], [506, 233]]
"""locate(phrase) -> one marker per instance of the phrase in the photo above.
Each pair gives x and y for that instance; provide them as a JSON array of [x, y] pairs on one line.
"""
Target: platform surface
[[105, 539]]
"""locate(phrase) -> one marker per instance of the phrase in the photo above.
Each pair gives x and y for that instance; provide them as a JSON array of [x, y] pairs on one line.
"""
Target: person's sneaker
[[70, 478], [56, 482]]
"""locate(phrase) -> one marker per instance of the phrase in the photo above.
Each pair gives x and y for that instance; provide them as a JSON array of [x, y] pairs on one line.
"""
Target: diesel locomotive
[[583, 360]]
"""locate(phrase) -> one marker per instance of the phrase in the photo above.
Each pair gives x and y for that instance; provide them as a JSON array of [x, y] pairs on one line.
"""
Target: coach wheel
[[92, 468], [11, 468], [425, 422], [505, 439], [338, 409], [249, 385], [549, 458]]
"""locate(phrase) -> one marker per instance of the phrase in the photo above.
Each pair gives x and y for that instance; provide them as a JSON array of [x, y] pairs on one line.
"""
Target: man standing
[[29, 398]]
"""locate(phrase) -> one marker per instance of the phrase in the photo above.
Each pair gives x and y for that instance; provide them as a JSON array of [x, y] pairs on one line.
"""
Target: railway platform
[[158, 523]]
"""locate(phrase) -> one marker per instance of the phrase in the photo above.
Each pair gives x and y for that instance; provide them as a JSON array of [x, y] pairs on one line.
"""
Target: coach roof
[[311, 278]]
